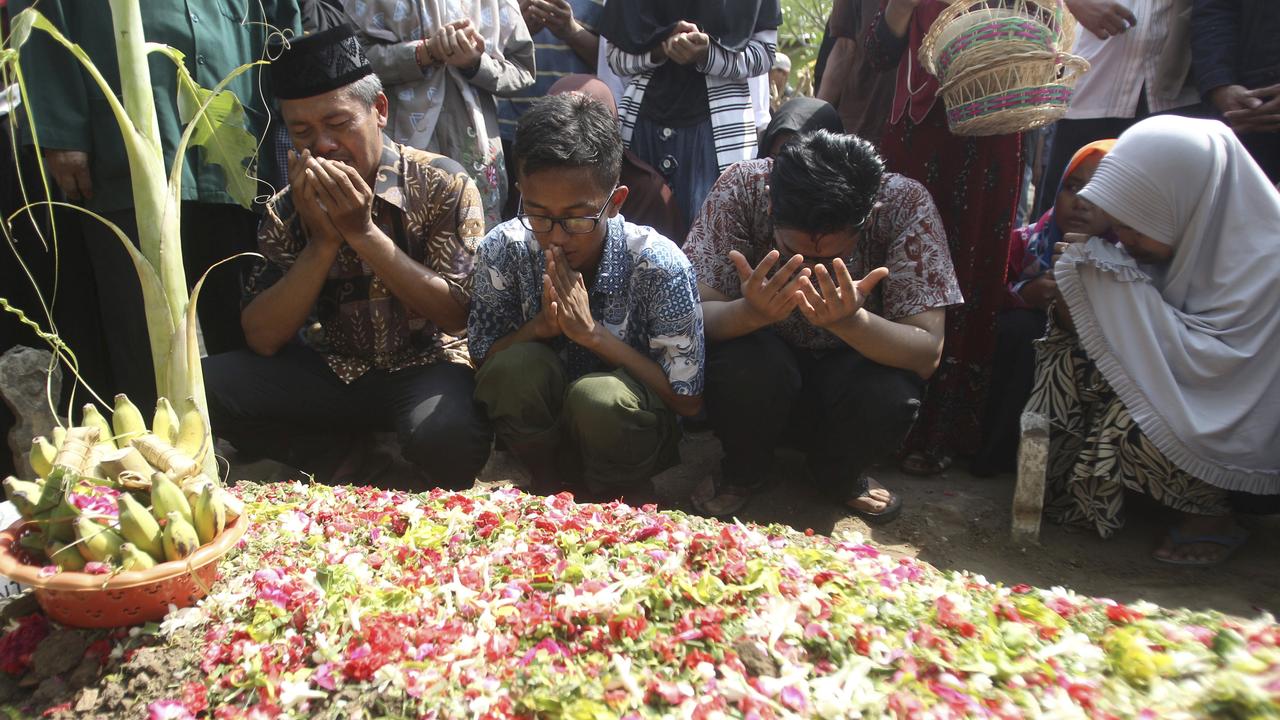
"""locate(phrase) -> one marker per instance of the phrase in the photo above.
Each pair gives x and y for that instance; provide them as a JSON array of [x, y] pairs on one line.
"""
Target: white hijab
[[1192, 348]]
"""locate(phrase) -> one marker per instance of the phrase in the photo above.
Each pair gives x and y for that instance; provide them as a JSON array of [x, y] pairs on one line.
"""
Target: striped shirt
[[554, 60], [733, 117], [1121, 66]]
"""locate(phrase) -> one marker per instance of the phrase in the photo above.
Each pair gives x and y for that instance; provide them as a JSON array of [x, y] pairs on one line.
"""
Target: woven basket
[[1002, 65], [82, 600]]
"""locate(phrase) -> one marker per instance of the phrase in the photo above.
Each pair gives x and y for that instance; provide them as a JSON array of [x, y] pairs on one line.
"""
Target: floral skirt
[[1096, 450], [974, 181]]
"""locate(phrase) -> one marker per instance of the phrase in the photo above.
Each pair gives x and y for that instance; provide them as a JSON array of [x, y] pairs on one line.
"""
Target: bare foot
[[1179, 546], [874, 500]]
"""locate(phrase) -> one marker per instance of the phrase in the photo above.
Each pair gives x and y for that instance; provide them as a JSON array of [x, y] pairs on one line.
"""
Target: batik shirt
[[903, 234], [431, 209], [644, 293]]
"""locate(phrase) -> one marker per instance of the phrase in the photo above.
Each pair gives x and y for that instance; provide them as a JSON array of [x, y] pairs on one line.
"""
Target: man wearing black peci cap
[[374, 240]]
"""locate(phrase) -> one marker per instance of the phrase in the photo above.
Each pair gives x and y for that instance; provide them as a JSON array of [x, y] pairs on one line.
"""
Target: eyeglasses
[[571, 225]]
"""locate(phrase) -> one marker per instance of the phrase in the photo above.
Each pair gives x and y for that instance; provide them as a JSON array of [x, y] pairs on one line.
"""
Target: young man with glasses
[[823, 281], [586, 328]]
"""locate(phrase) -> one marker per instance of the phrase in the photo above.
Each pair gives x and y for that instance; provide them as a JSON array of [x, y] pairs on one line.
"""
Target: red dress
[[975, 183]]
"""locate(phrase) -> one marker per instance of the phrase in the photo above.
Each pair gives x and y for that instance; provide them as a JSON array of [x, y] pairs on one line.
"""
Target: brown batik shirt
[[903, 234], [431, 209]]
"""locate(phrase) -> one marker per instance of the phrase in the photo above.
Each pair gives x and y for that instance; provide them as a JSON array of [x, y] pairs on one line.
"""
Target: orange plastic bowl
[[128, 598]]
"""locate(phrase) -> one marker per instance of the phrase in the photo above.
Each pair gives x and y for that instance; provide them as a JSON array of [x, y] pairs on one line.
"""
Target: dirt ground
[[960, 522]]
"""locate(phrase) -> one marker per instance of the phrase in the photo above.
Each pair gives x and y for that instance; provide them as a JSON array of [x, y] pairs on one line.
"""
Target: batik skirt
[[1096, 450]]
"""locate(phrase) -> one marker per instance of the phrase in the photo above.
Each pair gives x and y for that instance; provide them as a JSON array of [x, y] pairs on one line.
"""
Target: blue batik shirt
[[644, 293]]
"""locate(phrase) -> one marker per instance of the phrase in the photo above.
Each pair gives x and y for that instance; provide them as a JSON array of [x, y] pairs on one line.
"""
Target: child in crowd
[[1031, 289]]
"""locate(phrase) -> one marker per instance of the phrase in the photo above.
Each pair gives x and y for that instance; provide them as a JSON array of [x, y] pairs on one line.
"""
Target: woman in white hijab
[[1170, 383], [443, 62]]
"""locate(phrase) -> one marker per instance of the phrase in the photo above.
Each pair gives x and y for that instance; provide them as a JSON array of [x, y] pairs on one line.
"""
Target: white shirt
[[1121, 66], [760, 100]]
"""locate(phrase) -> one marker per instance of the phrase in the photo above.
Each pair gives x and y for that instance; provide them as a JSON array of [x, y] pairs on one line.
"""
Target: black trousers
[[1012, 376], [209, 233], [1265, 149], [291, 407], [843, 410]]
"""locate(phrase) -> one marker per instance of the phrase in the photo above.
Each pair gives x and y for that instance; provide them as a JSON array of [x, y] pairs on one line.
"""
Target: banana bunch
[[166, 508], [163, 526]]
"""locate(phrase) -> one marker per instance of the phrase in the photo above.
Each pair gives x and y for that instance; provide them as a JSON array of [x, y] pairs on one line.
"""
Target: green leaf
[[20, 27], [219, 132]]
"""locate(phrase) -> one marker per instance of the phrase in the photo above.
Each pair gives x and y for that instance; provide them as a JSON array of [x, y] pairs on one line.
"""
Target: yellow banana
[[134, 558], [42, 454], [31, 498], [180, 539], [165, 423], [167, 498], [97, 543], [93, 418], [192, 488], [65, 557], [210, 514], [192, 432], [139, 526], [127, 421]]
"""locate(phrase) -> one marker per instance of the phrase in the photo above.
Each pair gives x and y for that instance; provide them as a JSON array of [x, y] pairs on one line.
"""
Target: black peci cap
[[318, 63]]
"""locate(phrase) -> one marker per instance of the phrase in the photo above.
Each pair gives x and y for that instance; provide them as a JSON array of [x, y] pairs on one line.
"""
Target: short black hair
[[825, 182], [569, 130]]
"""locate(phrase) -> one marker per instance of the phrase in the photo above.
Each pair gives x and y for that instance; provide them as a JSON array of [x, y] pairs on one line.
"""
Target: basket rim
[[65, 581], [928, 51], [1072, 65]]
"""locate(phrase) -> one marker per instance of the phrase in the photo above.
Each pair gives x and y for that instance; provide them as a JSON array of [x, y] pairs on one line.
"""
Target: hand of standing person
[[1104, 18], [533, 16], [458, 44], [686, 45], [554, 15], [1261, 114], [70, 170]]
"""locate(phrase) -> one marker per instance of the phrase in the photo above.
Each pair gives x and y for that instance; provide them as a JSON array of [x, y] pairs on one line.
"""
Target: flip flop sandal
[[922, 465], [888, 514], [1230, 542], [724, 502]]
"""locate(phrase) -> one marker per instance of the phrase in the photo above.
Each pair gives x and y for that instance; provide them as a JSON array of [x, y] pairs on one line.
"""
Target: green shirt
[[215, 36]]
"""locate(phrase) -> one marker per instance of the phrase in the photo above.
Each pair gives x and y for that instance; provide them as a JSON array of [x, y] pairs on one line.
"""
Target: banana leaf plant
[[214, 121]]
